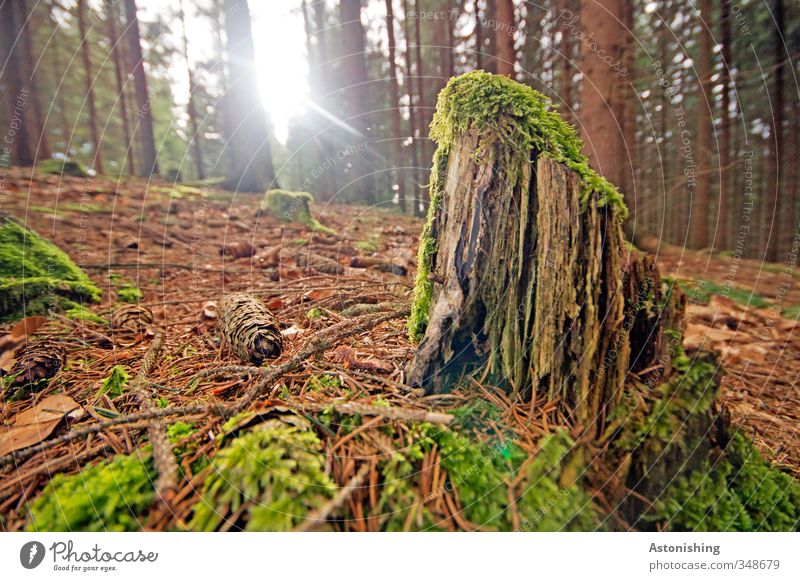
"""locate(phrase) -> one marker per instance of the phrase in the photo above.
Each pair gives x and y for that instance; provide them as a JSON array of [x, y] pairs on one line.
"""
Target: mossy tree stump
[[522, 263]]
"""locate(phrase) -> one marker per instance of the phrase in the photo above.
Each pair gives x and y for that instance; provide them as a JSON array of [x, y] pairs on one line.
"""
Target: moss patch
[[294, 207], [276, 473], [110, 496], [34, 272], [63, 167]]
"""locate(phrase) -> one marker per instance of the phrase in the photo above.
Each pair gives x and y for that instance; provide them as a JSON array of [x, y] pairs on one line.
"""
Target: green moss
[[739, 492], [34, 271], [701, 291], [314, 314], [366, 246], [78, 312], [292, 207], [109, 496], [129, 294], [522, 119], [63, 167], [116, 383], [277, 472]]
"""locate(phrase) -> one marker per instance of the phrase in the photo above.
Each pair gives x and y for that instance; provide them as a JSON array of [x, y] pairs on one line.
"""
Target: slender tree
[[396, 118], [566, 66], [40, 131], [248, 143], [478, 35], [422, 114], [505, 30], [116, 49], [702, 191], [725, 126], [412, 110], [190, 109], [143, 98], [88, 72], [774, 168]]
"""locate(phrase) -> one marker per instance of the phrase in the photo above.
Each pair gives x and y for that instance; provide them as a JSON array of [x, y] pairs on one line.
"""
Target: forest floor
[[183, 247]]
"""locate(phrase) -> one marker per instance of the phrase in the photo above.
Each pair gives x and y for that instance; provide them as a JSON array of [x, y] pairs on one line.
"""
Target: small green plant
[[116, 383], [109, 496], [63, 167], [314, 314], [129, 294], [701, 291]]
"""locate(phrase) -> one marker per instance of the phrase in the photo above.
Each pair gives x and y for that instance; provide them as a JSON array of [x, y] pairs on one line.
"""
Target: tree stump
[[524, 278]]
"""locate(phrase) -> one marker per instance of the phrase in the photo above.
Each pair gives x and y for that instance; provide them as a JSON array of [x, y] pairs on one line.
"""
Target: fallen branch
[[390, 412]]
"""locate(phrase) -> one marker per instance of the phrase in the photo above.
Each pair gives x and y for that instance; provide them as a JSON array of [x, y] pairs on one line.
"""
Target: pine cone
[[37, 363], [249, 328], [135, 318]]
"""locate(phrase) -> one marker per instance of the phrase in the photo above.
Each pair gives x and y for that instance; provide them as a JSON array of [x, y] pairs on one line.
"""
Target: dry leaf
[[37, 423], [9, 343]]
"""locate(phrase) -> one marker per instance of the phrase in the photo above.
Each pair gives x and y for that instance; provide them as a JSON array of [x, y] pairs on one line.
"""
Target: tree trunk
[[40, 132], [412, 114], [88, 71], [524, 279], [723, 210], [190, 109], [421, 101], [479, 60], [504, 38], [773, 217], [702, 191], [113, 38], [396, 120], [566, 65], [20, 136], [248, 142], [143, 97]]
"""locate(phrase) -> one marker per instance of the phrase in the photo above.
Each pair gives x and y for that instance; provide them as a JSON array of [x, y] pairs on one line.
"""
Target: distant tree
[[396, 118], [505, 29], [116, 56], [89, 75], [413, 113], [143, 97], [774, 168], [249, 131], [32, 71], [355, 89], [725, 127], [702, 190], [195, 137], [22, 126]]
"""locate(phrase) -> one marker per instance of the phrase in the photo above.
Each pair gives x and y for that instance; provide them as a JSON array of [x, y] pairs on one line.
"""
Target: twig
[[390, 412], [163, 457], [318, 517]]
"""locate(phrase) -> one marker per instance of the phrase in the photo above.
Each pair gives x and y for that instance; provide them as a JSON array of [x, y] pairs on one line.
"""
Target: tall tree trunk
[[490, 45], [723, 210], [143, 97], [479, 57], [566, 65], [412, 112], [602, 96], [88, 71], [248, 143], [504, 38], [773, 229], [15, 91], [58, 70], [40, 132], [702, 191], [113, 37], [422, 115], [396, 120], [190, 109], [356, 97], [628, 79]]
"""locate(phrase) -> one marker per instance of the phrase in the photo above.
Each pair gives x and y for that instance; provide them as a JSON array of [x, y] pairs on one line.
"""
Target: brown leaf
[[21, 331], [37, 423], [319, 294], [241, 249]]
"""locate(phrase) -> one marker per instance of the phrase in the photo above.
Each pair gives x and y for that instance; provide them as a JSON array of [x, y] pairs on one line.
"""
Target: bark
[[190, 109], [40, 132], [21, 127], [412, 113], [702, 191], [601, 103], [395, 100], [248, 140], [422, 117], [504, 37], [774, 168], [88, 71], [113, 38], [143, 98], [723, 210]]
